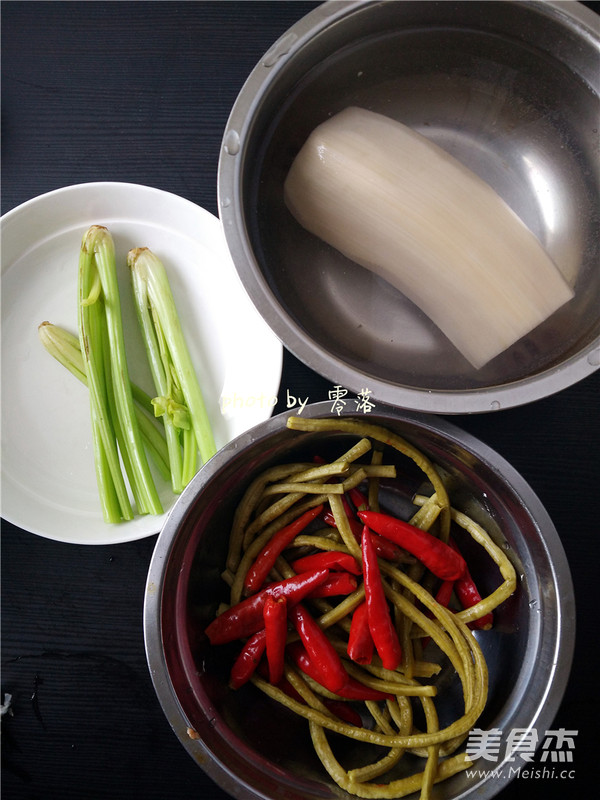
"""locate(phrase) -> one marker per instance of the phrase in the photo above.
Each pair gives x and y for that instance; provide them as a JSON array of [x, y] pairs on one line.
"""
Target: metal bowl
[[511, 90], [253, 748]]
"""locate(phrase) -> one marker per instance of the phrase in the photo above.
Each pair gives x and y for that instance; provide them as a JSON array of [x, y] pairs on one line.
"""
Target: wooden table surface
[[140, 92]]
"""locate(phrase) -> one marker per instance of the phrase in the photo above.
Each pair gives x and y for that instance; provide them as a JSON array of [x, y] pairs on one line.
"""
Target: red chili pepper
[[436, 555], [347, 507], [360, 642], [351, 690], [327, 559], [468, 595], [340, 708], [246, 617], [248, 660], [264, 562], [355, 690], [339, 583], [385, 636], [442, 596], [358, 499], [276, 626], [444, 593], [384, 547], [319, 649], [355, 525], [343, 711], [287, 687], [283, 683]]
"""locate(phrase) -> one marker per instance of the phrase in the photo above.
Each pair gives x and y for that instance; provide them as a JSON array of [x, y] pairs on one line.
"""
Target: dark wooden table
[[140, 92]]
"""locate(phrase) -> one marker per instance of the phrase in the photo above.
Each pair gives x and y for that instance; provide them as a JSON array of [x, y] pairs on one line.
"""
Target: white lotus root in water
[[394, 202]]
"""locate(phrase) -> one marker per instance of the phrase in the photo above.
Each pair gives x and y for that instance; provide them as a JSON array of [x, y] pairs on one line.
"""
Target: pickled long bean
[[319, 670]]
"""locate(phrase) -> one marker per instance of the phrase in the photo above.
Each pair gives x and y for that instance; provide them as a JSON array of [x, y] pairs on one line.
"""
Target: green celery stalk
[[179, 395], [190, 456], [102, 347], [114, 497], [64, 347], [169, 403]]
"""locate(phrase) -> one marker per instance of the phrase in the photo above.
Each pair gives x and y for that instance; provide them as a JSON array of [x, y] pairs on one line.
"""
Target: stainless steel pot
[[250, 746], [510, 89]]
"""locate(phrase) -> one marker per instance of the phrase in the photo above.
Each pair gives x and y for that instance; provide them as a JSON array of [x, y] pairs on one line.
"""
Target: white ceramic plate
[[48, 478]]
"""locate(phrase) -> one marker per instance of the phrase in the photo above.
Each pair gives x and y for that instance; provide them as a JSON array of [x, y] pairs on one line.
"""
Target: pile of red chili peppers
[[275, 622]]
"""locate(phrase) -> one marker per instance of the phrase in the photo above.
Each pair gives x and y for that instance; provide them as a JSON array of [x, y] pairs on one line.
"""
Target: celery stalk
[[165, 383], [114, 497], [64, 347], [103, 350], [180, 397], [110, 499], [190, 456]]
